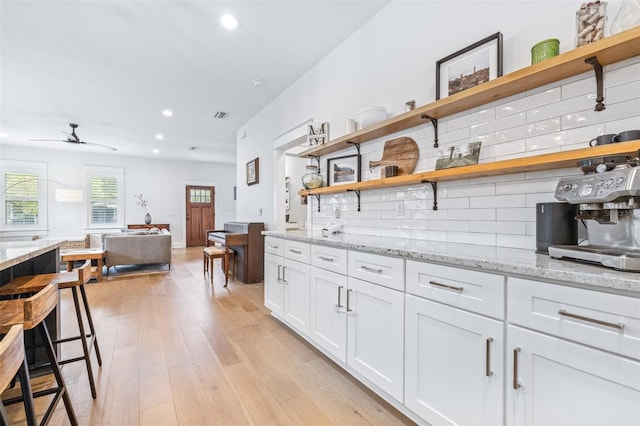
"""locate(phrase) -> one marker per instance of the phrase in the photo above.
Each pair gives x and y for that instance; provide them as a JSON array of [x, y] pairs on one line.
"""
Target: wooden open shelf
[[556, 160], [609, 50]]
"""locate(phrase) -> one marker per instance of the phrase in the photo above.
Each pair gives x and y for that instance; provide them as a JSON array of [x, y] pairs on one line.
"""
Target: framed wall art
[[341, 170], [469, 67], [253, 172], [318, 133], [459, 155]]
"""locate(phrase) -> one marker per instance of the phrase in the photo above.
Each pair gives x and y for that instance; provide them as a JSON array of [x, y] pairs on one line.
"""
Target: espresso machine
[[608, 195]]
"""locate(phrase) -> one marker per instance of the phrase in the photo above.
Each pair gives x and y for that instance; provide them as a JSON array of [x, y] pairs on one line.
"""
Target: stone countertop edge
[[27, 250], [515, 262]]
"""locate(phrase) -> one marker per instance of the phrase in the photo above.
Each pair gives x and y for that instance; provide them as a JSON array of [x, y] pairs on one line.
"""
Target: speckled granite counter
[[15, 252], [515, 262]]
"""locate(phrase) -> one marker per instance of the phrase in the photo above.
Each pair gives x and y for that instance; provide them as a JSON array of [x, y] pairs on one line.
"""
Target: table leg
[[100, 265]]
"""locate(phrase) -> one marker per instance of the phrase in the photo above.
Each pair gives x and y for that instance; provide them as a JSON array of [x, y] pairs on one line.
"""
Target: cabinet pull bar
[[279, 273], [450, 287], [367, 268], [328, 259], [273, 247], [339, 305], [284, 280], [487, 368], [295, 251], [348, 308], [516, 384], [587, 319]]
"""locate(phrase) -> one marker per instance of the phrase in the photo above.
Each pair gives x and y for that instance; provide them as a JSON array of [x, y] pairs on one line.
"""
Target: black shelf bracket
[[434, 121], [434, 188], [593, 61], [356, 144], [357, 191], [317, 158], [317, 198]]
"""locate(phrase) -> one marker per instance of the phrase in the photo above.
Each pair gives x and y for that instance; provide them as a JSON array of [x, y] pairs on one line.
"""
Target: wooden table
[[71, 256]]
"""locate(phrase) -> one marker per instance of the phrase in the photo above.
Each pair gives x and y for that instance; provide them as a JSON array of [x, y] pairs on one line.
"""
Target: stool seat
[[213, 252]]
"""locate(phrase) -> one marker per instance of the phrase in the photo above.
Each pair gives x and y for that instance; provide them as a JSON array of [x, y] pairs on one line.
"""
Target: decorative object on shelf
[[468, 67], [350, 126], [544, 50], [401, 152], [318, 133], [390, 171], [409, 105], [312, 179], [590, 22], [142, 202], [372, 115], [253, 176], [457, 156], [627, 17], [341, 170]]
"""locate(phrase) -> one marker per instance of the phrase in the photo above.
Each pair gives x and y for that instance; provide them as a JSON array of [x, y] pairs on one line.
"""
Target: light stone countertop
[[15, 252], [509, 261]]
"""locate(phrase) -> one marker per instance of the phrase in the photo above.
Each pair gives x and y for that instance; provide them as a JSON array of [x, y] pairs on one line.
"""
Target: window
[[200, 195], [105, 203], [23, 195]]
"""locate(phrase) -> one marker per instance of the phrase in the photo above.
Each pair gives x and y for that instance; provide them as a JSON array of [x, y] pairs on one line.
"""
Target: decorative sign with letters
[[318, 133]]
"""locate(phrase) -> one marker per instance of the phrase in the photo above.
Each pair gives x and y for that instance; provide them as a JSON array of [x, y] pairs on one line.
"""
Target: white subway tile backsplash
[[496, 211]]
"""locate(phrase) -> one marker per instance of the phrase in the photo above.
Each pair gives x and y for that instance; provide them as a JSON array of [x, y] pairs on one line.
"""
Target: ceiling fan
[[73, 138]]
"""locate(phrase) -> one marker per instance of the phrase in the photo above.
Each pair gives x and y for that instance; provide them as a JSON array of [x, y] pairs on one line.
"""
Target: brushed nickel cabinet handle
[[284, 280], [564, 313], [328, 259], [369, 269], [447, 286], [348, 308], [487, 367], [279, 273], [273, 247], [295, 251], [339, 305], [516, 384]]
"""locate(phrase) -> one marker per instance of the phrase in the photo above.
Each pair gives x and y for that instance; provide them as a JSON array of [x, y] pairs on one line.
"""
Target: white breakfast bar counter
[[517, 337]]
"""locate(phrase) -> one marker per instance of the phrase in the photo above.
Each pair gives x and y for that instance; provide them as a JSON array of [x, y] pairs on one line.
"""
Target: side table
[[70, 256]]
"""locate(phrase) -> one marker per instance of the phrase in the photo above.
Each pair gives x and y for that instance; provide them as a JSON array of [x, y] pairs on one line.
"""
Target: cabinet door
[[454, 364], [296, 295], [564, 383], [328, 319], [273, 285], [375, 330]]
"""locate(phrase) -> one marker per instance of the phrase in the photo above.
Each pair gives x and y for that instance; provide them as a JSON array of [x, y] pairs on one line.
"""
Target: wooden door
[[201, 213]]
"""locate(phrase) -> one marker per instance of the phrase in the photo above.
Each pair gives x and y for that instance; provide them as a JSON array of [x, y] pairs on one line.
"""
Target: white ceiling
[[113, 66]]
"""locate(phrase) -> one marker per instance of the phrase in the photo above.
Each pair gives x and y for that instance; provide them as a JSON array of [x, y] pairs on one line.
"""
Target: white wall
[[390, 60], [161, 182]]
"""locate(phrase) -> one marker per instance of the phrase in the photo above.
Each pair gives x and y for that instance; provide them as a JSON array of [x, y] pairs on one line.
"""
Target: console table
[[149, 226]]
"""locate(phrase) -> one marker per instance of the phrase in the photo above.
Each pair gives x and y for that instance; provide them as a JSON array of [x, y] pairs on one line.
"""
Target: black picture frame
[[487, 51], [253, 172], [343, 170]]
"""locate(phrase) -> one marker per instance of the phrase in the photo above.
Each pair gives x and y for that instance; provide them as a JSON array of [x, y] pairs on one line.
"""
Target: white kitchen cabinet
[[375, 334], [454, 364], [295, 276], [328, 317], [551, 381], [273, 285]]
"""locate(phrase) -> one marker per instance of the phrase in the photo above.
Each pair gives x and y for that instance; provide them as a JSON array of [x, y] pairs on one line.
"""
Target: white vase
[[628, 16]]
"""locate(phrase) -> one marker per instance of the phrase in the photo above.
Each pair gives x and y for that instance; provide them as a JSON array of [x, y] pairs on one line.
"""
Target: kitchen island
[[517, 337]]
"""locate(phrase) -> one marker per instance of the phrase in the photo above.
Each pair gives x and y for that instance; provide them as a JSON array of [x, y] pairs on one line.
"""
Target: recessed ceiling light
[[159, 137], [167, 113], [156, 151], [229, 22], [257, 82]]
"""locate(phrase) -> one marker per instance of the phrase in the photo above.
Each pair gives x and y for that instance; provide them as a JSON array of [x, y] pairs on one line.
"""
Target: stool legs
[[27, 398]]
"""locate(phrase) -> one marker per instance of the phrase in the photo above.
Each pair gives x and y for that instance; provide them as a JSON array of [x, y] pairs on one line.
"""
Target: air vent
[[220, 114], [193, 148]]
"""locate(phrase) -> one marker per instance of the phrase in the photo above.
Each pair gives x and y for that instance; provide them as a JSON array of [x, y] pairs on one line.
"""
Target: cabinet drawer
[[274, 246], [602, 320], [332, 259], [384, 270], [472, 290], [296, 250]]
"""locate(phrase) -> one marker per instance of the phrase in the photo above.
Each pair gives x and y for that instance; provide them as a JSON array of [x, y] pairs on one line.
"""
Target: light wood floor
[[177, 351]]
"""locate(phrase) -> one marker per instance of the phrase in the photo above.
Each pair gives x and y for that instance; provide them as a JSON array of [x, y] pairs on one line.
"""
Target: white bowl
[[372, 115]]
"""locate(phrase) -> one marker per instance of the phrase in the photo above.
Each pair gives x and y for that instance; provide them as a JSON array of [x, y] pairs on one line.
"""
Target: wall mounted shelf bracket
[[356, 144], [357, 191], [317, 198], [434, 121], [317, 158], [434, 187], [593, 61]]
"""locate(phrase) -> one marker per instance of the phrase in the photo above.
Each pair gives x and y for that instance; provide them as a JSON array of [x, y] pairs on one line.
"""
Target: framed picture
[[469, 67], [253, 171], [341, 170], [456, 156]]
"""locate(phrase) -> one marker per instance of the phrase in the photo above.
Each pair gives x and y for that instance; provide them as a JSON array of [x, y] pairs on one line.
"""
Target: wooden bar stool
[[13, 362], [211, 253], [74, 279], [35, 309]]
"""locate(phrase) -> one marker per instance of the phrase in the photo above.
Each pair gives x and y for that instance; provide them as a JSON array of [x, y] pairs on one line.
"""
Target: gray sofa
[[137, 248]]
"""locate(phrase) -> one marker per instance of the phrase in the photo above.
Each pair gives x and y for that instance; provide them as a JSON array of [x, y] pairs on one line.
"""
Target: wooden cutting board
[[401, 152]]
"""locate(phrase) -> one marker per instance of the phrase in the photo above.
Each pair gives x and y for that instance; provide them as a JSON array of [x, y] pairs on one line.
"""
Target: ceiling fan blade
[[97, 144], [49, 140]]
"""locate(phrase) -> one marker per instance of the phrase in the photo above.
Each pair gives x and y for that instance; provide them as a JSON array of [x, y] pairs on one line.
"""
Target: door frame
[[183, 206]]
